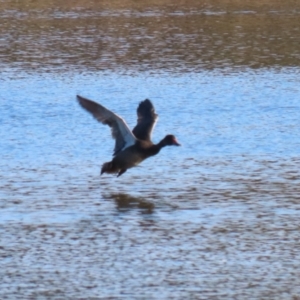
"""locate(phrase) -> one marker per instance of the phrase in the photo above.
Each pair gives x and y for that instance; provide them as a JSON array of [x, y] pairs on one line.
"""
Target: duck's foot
[[122, 171]]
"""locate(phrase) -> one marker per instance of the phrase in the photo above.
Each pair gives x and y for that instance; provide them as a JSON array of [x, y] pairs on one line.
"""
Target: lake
[[218, 217]]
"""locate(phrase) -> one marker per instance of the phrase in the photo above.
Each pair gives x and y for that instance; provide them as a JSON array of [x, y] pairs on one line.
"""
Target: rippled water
[[217, 218], [153, 37]]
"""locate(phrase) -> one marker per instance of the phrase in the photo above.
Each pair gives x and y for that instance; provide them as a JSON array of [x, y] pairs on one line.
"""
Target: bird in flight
[[131, 147]]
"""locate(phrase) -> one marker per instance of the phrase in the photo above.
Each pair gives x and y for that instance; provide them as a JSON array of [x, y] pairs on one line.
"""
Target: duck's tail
[[110, 168], [107, 168]]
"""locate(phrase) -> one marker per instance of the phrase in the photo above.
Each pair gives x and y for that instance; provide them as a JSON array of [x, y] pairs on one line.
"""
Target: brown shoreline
[[152, 35], [262, 5]]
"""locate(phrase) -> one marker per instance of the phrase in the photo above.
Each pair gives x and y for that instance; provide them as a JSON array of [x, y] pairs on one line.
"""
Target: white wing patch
[[120, 130]]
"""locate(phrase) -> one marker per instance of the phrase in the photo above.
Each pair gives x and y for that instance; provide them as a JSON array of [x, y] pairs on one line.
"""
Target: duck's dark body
[[131, 148], [131, 157]]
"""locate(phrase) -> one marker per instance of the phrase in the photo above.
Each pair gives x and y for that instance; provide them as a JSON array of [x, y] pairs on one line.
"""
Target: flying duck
[[131, 147]]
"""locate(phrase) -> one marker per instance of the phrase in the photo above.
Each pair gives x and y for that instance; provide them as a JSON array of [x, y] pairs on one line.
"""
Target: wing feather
[[119, 129], [146, 121]]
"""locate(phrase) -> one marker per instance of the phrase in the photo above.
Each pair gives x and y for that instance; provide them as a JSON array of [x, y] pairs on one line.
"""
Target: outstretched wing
[[120, 131], [146, 120]]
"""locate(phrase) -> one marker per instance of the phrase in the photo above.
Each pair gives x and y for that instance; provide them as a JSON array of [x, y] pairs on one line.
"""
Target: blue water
[[217, 217], [212, 114]]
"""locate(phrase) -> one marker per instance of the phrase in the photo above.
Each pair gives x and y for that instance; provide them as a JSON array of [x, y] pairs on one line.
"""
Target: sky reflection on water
[[215, 218]]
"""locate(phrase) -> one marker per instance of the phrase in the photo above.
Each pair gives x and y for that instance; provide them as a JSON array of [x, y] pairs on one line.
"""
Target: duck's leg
[[122, 171]]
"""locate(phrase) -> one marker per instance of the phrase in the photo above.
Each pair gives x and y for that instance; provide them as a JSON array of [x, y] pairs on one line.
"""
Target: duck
[[131, 147]]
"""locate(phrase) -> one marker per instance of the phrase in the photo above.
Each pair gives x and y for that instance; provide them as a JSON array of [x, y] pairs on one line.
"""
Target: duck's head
[[170, 140]]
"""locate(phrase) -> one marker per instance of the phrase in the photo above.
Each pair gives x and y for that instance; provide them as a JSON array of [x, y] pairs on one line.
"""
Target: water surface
[[217, 218], [154, 36]]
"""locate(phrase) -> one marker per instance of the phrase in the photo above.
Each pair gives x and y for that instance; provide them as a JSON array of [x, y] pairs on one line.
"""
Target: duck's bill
[[175, 143]]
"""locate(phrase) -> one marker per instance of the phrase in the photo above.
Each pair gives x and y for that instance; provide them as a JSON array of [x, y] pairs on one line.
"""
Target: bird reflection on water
[[126, 202]]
